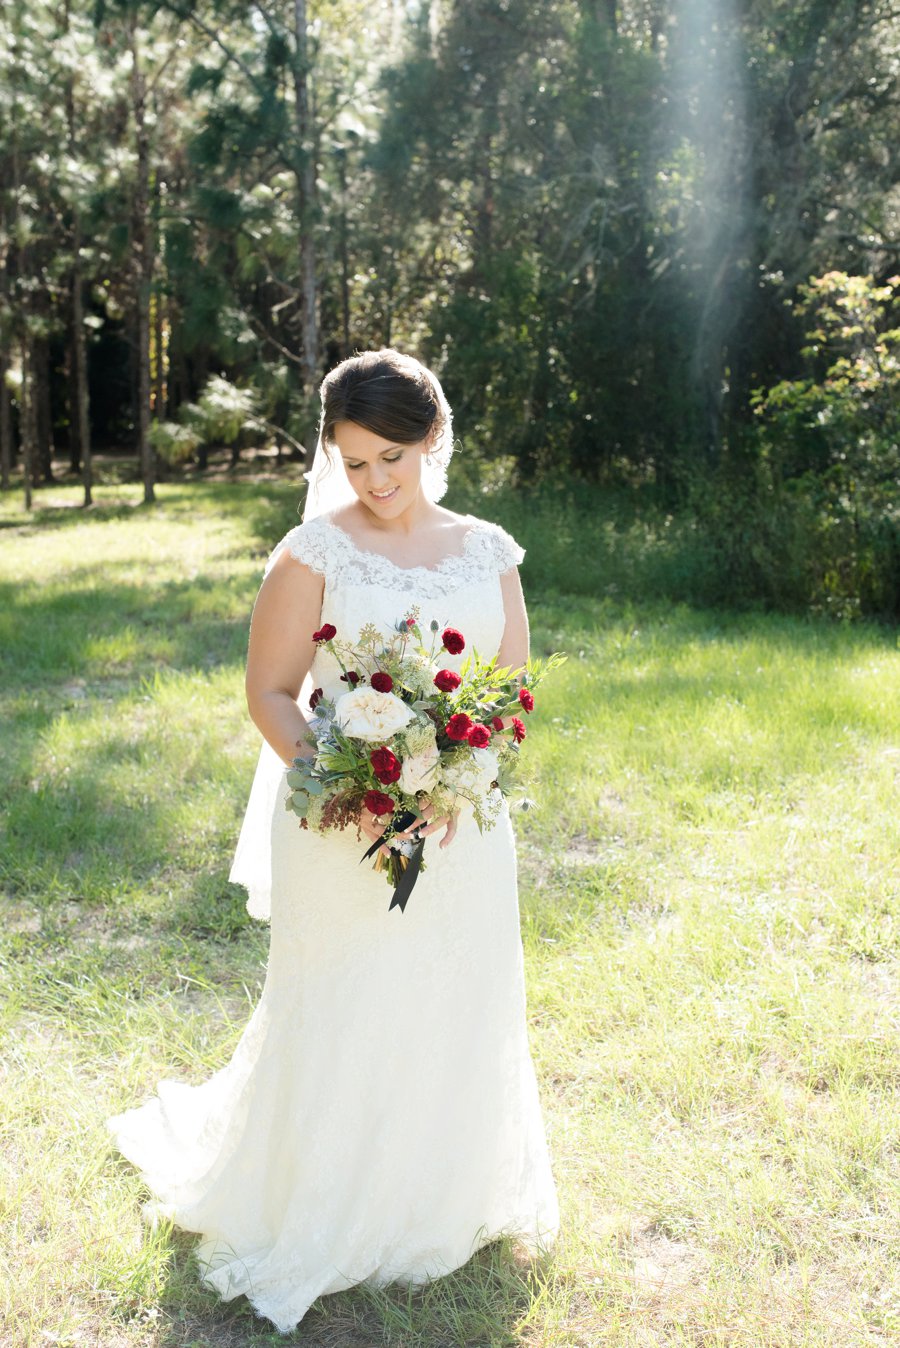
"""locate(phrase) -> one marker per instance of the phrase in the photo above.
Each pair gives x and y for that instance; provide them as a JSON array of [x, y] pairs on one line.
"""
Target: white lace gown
[[379, 1120]]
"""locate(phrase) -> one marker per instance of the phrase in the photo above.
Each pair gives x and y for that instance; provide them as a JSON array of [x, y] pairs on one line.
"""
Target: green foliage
[[173, 442], [829, 444], [223, 410]]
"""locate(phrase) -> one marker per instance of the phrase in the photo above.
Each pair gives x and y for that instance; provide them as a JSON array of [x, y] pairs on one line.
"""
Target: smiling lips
[[384, 495]]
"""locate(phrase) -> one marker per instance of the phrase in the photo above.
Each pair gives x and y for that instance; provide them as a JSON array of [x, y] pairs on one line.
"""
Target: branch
[[274, 28], [223, 47], [273, 341], [260, 423]]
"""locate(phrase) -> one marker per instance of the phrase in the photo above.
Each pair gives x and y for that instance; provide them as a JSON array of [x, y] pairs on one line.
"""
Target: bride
[[379, 1120]]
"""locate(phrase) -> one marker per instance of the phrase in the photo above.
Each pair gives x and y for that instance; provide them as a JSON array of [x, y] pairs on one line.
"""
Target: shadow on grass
[[267, 510], [477, 1305], [126, 628]]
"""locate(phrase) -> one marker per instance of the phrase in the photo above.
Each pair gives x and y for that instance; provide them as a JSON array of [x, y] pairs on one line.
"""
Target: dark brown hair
[[386, 392]]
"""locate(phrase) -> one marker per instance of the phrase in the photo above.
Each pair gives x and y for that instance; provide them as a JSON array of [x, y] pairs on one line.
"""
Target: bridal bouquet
[[409, 734]]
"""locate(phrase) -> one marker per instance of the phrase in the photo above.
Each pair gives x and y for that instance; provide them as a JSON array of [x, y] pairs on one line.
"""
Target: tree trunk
[[43, 429], [72, 400], [159, 327], [344, 259], [305, 176], [6, 443], [159, 383], [27, 419], [81, 421], [143, 269], [79, 351], [607, 14]]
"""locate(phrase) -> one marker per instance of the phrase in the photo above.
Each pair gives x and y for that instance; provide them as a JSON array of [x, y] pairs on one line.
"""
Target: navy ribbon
[[410, 873]]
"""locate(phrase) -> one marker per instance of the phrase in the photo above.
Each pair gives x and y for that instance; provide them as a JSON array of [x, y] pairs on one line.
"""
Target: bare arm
[[287, 611], [514, 646]]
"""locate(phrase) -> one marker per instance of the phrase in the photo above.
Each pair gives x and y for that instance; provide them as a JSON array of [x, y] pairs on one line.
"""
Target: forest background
[[650, 248]]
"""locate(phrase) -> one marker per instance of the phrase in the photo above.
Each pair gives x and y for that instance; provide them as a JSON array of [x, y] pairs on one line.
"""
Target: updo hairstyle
[[386, 392]]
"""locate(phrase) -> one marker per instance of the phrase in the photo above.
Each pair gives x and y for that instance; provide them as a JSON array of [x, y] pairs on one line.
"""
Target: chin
[[394, 505]]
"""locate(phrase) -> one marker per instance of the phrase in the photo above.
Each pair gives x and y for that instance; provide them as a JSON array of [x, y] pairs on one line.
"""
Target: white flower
[[420, 771], [418, 675], [471, 777], [370, 715]]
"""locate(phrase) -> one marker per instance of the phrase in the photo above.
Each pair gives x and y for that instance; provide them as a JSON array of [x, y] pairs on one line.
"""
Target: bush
[[174, 443], [817, 520]]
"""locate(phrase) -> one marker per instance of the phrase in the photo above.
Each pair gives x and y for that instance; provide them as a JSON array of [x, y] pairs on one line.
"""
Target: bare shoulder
[[289, 579]]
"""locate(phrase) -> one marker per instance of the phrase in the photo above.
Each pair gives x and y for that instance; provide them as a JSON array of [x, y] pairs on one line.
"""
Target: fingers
[[372, 828], [425, 825], [451, 831], [433, 825]]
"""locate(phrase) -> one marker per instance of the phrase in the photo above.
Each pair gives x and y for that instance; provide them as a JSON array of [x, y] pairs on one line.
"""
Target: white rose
[[370, 715], [419, 771], [472, 778]]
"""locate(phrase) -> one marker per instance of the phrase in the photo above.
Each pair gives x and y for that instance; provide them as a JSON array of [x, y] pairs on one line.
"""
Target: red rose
[[458, 727], [497, 722], [325, 633], [382, 683], [350, 677], [454, 641], [479, 737], [376, 802], [385, 765], [315, 698], [518, 729], [446, 680], [526, 699], [410, 622]]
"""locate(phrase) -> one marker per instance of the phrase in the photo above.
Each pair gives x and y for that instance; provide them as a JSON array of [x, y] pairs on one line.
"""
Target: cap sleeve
[[505, 550], [314, 544]]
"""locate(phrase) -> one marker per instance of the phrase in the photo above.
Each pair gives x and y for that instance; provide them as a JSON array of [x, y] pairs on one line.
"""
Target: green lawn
[[711, 919]]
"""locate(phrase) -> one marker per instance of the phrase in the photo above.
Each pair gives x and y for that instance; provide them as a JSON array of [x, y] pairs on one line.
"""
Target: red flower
[[385, 765], [454, 641], [526, 699], [315, 698], [350, 677], [410, 622], [446, 680], [382, 683], [497, 722], [479, 737], [458, 727], [376, 802], [325, 633], [518, 729]]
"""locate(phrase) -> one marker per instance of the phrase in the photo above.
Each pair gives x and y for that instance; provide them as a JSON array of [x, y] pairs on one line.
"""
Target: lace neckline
[[435, 570]]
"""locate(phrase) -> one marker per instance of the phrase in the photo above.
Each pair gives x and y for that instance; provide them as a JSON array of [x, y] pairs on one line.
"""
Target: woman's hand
[[433, 824], [373, 826]]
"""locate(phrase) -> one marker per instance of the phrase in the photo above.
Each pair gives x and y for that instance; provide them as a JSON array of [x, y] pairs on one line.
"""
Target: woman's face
[[385, 476]]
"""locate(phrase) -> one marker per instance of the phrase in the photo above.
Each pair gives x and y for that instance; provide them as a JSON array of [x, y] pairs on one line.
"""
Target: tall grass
[[710, 915]]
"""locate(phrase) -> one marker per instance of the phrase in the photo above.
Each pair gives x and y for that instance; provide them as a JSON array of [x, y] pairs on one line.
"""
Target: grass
[[710, 906]]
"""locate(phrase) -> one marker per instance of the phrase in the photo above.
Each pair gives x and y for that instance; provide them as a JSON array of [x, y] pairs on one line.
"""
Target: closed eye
[[353, 466]]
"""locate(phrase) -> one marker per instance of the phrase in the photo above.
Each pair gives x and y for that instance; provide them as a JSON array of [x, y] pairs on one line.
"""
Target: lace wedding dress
[[379, 1120]]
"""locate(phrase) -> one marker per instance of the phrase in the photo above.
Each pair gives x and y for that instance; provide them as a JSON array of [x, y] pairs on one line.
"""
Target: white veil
[[327, 489]]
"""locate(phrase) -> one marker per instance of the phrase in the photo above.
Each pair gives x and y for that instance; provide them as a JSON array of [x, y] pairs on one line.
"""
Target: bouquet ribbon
[[410, 872]]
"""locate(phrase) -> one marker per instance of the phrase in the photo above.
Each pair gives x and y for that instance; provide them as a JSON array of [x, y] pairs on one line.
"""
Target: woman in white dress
[[379, 1120]]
